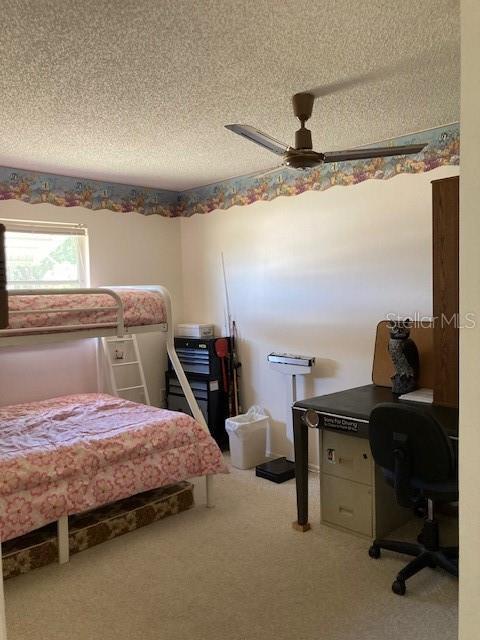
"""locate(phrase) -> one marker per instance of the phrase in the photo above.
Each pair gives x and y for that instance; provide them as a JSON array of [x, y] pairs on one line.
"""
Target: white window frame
[[61, 228]]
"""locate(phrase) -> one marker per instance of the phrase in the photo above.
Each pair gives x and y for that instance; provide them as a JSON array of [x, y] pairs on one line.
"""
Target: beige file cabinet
[[353, 493]]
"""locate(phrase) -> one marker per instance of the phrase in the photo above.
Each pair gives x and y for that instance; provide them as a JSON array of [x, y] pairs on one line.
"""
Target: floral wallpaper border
[[443, 148], [64, 191]]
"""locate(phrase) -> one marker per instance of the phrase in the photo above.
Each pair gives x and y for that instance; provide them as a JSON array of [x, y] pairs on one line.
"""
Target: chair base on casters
[[426, 554]]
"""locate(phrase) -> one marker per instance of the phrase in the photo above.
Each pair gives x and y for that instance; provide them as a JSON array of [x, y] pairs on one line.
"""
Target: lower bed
[[66, 455], [40, 547]]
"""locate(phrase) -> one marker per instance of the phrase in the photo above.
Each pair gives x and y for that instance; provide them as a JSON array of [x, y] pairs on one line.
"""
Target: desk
[[348, 412]]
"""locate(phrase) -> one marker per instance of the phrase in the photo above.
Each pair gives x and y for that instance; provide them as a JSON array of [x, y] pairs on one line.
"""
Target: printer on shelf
[[194, 330]]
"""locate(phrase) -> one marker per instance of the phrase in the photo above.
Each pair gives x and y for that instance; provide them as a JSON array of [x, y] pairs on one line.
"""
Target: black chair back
[[410, 444]]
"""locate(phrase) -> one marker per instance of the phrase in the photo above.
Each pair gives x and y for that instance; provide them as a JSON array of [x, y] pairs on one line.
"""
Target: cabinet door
[[445, 289], [347, 457]]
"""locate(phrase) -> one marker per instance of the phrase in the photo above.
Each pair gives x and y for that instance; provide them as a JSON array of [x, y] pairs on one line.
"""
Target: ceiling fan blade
[[257, 174], [374, 152], [405, 67], [263, 139], [265, 172]]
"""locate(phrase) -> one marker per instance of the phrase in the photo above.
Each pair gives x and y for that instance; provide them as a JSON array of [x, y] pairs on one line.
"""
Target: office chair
[[417, 459]]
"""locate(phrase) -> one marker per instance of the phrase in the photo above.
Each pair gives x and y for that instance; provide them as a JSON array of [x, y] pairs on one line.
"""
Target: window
[[43, 255]]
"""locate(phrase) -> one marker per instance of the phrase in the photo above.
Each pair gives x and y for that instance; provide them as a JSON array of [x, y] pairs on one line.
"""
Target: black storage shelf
[[204, 372]]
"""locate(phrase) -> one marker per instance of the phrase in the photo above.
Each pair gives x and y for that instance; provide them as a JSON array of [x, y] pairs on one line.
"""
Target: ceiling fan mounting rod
[[302, 108]]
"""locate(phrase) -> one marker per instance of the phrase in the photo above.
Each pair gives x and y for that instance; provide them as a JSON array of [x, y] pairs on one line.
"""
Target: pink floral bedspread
[[70, 454], [141, 307]]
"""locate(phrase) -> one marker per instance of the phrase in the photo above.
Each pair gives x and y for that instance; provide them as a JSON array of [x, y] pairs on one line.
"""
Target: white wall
[[313, 275], [469, 622], [310, 274], [124, 249]]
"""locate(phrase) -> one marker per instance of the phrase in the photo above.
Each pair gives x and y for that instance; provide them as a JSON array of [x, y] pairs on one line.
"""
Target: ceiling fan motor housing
[[302, 108], [303, 138], [303, 159]]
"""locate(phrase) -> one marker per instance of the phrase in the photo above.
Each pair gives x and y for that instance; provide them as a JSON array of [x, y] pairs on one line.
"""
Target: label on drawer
[[331, 456], [341, 424]]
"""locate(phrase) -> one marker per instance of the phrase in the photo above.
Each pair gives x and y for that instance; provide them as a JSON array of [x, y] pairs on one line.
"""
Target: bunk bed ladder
[[127, 379]]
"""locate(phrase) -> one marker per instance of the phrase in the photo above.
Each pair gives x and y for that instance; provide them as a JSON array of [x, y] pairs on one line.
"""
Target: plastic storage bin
[[247, 434]]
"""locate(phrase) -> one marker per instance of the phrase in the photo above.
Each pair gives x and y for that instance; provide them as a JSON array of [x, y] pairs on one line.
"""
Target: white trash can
[[247, 434]]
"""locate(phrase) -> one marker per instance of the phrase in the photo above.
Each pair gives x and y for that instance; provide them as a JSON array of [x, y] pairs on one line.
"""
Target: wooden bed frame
[[29, 337]]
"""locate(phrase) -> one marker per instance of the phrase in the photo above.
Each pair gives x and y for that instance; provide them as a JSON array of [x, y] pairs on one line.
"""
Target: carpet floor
[[235, 572]]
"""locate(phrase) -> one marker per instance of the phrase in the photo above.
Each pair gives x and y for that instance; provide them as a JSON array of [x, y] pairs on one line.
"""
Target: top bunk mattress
[[141, 307]]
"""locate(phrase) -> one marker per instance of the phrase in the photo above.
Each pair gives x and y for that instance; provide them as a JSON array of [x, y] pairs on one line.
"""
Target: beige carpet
[[237, 572]]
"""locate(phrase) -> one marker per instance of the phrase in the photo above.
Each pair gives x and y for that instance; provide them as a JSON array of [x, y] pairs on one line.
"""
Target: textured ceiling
[[138, 91]]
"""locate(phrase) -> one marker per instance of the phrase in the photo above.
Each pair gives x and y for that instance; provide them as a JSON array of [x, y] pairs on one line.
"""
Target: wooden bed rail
[[3, 621]]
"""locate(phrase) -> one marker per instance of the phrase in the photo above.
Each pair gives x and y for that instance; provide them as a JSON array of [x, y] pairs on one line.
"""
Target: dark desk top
[[359, 402]]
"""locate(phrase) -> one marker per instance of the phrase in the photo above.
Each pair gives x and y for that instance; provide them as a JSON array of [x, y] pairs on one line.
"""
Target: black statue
[[404, 354]]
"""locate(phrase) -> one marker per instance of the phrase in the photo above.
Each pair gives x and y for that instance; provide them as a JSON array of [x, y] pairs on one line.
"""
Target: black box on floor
[[279, 470]]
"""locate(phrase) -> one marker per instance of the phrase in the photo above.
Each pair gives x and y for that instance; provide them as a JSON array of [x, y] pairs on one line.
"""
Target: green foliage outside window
[[49, 260]]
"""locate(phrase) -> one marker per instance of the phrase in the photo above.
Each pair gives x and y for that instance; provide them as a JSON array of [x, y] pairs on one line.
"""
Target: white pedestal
[[291, 371]]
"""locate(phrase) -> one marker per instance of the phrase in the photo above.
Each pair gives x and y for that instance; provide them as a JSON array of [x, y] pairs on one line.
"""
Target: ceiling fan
[[302, 156]]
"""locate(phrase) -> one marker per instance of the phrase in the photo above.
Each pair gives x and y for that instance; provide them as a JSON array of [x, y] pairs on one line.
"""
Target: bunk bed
[[37, 316], [46, 447]]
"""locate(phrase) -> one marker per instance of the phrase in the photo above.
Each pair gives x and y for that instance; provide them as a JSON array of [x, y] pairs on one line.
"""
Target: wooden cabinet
[[445, 290]]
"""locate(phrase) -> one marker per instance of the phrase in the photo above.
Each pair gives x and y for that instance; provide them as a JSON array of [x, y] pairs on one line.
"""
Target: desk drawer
[[347, 457], [346, 504]]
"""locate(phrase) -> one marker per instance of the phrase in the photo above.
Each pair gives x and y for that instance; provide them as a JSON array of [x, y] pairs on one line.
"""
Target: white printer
[[194, 330]]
